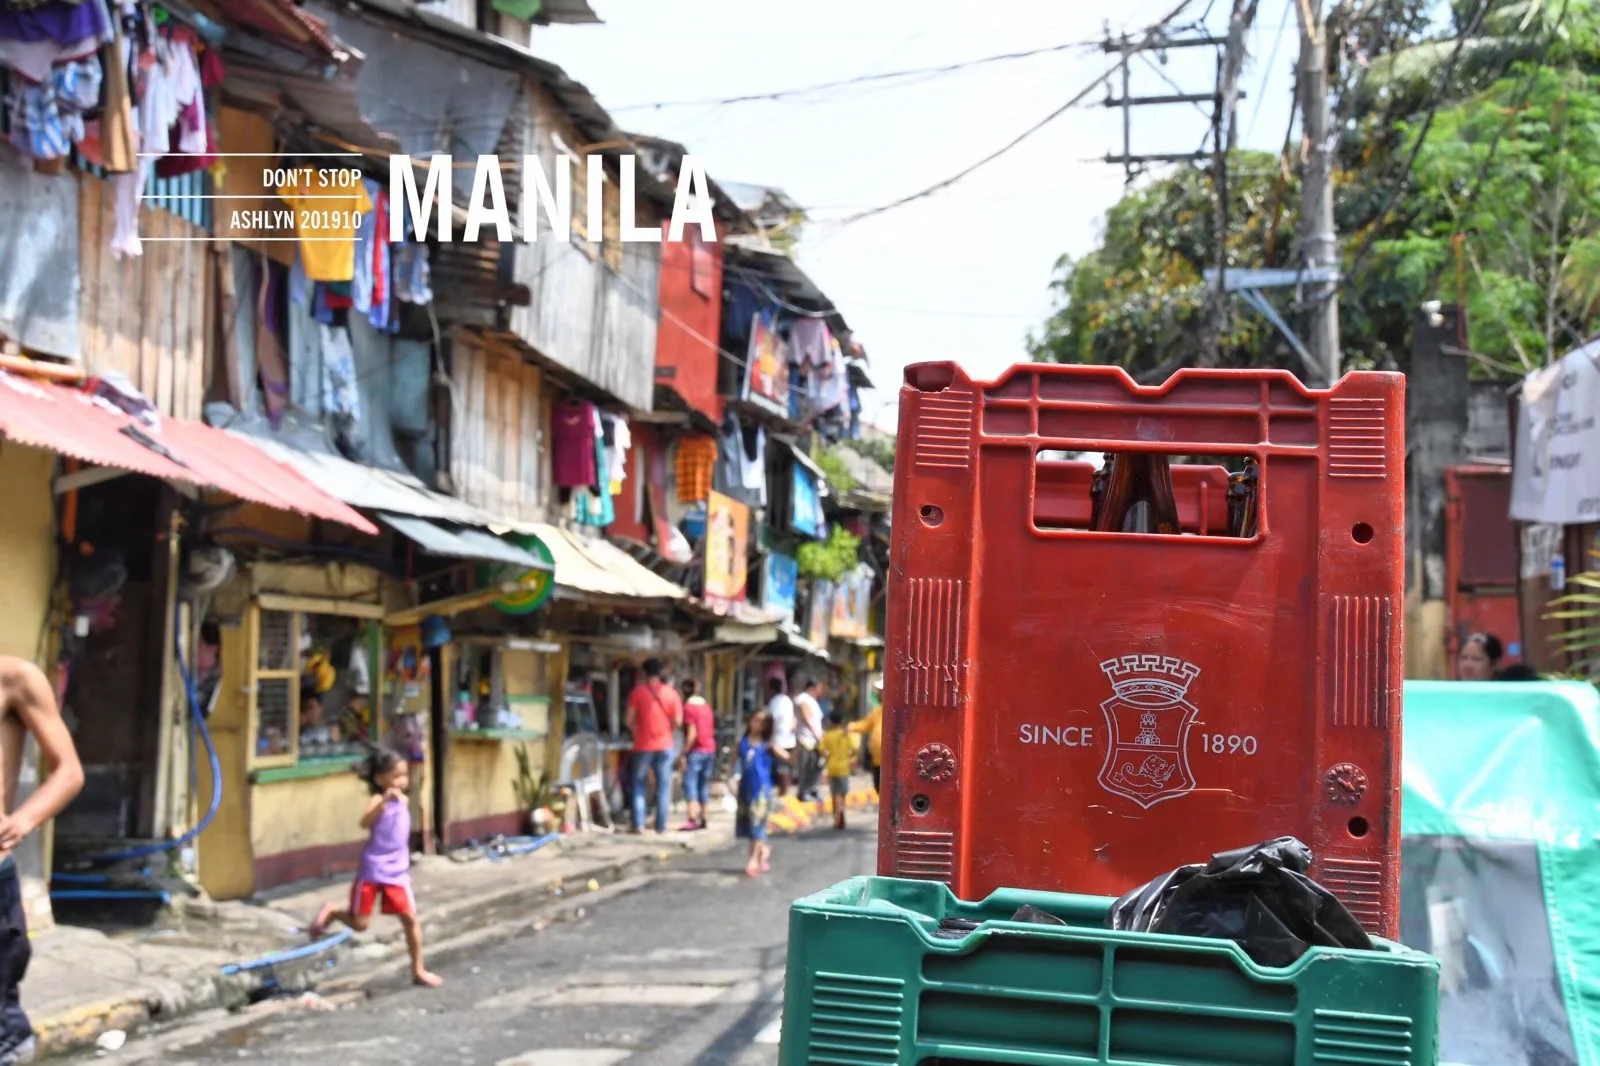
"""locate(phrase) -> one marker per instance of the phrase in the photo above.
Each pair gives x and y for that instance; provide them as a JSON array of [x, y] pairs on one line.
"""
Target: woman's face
[[1474, 664]]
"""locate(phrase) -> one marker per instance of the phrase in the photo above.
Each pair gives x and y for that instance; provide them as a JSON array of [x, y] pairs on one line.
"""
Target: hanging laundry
[[365, 254], [111, 141], [753, 462], [47, 118], [32, 42], [593, 505], [76, 30], [697, 459], [809, 342], [740, 307], [326, 224], [341, 394], [379, 313], [411, 274], [190, 141], [154, 85], [271, 340], [617, 454], [830, 381], [572, 445]]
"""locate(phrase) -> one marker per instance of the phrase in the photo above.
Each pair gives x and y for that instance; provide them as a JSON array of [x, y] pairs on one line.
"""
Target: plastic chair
[[583, 771]]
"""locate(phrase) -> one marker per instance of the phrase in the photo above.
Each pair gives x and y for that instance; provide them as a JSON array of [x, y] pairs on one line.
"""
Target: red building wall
[[691, 320]]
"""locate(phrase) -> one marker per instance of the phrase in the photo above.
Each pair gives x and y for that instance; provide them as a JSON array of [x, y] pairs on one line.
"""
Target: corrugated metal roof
[[71, 422], [368, 487], [462, 543], [593, 565]]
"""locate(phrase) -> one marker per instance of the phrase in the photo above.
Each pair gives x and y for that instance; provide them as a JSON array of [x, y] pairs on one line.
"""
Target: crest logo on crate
[[1148, 717]]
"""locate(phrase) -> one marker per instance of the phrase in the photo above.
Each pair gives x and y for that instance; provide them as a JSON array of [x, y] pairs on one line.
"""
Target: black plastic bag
[[1259, 897]]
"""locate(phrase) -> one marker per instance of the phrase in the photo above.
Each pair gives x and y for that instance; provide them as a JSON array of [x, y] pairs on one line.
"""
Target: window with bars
[[311, 691]]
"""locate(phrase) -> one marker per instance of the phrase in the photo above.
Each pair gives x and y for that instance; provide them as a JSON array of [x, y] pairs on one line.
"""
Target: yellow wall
[[1427, 624], [27, 546], [479, 777], [311, 812]]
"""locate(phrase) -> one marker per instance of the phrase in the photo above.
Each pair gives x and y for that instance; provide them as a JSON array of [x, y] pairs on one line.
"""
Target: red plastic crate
[[1076, 711]]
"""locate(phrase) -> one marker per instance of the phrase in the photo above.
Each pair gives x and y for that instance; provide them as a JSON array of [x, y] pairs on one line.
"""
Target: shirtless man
[[27, 705]]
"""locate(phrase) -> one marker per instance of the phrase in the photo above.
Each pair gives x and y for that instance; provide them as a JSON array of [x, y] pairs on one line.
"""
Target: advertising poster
[[848, 616], [817, 624], [766, 379], [805, 503], [727, 547], [780, 577]]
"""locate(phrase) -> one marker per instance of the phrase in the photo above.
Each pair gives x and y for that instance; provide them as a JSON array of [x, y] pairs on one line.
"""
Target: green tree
[[1137, 301], [1418, 110], [1508, 221]]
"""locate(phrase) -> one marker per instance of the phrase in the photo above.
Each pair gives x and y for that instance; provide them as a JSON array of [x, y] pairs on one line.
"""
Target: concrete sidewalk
[[82, 982]]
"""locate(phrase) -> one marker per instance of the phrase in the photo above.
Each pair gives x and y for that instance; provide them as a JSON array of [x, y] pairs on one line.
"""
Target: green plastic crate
[[870, 985]]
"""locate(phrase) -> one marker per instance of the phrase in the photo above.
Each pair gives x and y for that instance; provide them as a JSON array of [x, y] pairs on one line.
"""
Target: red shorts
[[396, 898]]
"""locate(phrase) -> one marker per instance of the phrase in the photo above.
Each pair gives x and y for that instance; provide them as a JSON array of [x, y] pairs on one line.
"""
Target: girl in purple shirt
[[385, 872]]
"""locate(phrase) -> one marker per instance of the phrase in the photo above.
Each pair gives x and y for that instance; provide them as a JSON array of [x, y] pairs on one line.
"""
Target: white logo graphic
[[1147, 760]]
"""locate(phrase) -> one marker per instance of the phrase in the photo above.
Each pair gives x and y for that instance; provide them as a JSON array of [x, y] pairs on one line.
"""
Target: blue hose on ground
[[80, 879], [293, 954], [108, 894], [199, 720], [531, 845]]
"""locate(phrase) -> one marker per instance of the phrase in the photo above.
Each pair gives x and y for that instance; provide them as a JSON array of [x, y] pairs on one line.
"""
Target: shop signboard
[[533, 586], [780, 575], [727, 547]]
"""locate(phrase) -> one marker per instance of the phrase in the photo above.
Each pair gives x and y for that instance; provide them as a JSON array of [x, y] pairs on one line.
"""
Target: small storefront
[[310, 677], [499, 742]]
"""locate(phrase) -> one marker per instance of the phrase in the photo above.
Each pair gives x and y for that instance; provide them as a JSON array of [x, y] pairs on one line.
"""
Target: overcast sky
[[963, 274]]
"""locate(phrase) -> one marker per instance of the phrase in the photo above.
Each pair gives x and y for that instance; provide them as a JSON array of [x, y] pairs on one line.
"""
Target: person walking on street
[[872, 726], [808, 732], [700, 751], [654, 711], [758, 753], [384, 876], [838, 752], [27, 706], [781, 708]]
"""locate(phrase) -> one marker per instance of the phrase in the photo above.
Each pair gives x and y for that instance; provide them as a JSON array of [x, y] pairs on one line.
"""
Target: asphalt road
[[686, 967]]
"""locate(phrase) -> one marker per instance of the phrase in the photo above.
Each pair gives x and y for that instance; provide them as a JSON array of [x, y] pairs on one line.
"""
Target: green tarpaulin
[[1501, 875]]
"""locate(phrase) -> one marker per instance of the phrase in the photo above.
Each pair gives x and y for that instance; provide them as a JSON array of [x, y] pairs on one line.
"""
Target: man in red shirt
[[654, 711]]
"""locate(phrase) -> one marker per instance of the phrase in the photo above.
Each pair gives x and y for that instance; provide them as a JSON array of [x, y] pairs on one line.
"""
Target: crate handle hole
[[932, 514], [1358, 827], [920, 804], [1362, 533]]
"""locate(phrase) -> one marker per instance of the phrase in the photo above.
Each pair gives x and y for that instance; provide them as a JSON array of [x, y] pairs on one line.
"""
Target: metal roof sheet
[[462, 543], [594, 565], [369, 487], [70, 422]]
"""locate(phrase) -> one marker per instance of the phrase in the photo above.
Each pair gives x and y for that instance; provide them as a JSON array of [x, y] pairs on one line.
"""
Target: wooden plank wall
[[149, 317], [497, 429]]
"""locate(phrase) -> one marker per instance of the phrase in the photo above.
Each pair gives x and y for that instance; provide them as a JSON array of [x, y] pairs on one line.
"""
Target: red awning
[[73, 423]]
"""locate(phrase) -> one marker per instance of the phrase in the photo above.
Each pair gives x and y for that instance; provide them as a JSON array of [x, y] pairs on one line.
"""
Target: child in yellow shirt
[[837, 749]]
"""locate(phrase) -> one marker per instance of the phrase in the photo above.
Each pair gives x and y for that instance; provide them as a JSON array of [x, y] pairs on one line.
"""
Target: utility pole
[[1319, 244], [1224, 136], [1125, 47], [1223, 99]]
